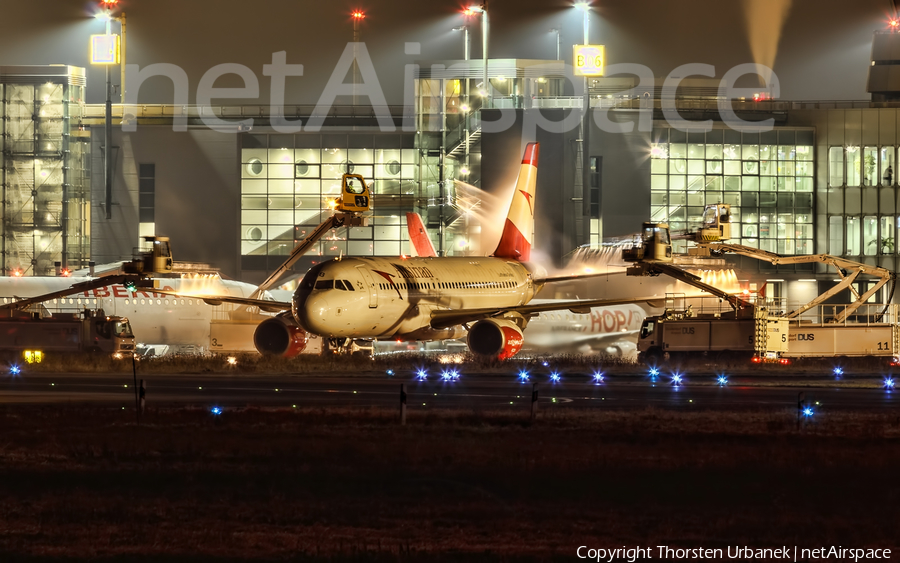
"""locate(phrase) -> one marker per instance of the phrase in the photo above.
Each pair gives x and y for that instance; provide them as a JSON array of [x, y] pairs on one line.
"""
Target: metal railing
[[867, 314], [143, 111]]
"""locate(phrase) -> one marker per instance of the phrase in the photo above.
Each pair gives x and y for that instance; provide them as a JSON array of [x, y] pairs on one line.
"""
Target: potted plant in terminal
[[869, 161], [887, 245]]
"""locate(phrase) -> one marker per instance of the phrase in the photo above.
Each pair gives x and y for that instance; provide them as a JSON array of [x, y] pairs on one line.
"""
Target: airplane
[[157, 317], [486, 299]]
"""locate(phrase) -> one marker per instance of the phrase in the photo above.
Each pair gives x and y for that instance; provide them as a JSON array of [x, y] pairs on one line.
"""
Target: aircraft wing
[[445, 318], [577, 277], [264, 304], [121, 279]]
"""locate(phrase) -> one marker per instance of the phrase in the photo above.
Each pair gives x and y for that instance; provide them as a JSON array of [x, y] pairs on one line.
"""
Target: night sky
[[822, 51]]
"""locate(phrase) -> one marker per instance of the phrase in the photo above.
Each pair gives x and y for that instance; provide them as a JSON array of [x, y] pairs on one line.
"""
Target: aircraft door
[[370, 286]]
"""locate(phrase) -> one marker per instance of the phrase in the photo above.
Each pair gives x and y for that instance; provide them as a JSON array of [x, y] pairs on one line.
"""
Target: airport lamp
[[106, 50], [471, 11]]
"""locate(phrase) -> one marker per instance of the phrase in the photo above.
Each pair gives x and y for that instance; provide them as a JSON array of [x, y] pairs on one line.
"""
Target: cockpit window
[[309, 280], [343, 285], [325, 284]]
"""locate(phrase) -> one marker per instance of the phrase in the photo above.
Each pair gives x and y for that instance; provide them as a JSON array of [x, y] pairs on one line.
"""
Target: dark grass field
[[83, 484]]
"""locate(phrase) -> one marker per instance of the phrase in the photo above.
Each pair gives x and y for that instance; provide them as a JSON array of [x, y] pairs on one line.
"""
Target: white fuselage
[[566, 332], [155, 318], [394, 297]]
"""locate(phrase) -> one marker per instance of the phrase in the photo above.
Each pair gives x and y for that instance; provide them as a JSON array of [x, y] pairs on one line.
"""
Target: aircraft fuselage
[[394, 297]]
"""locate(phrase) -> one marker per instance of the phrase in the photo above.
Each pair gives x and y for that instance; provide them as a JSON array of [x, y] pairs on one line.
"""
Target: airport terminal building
[[820, 180]]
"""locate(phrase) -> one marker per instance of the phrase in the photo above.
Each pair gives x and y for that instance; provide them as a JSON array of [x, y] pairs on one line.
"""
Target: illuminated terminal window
[[288, 180], [859, 200], [865, 166], [767, 178]]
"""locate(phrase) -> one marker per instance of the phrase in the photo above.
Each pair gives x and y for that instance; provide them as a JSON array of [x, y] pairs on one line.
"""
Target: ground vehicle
[[91, 331], [749, 326], [156, 258], [748, 331]]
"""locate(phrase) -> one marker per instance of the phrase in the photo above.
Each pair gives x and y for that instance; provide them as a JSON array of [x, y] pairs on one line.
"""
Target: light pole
[[483, 10], [467, 49], [358, 16], [585, 8], [556, 31], [105, 15], [121, 20], [107, 156]]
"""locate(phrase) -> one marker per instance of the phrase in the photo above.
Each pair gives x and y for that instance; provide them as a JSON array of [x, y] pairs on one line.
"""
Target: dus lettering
[[687, 330], [807, 337]]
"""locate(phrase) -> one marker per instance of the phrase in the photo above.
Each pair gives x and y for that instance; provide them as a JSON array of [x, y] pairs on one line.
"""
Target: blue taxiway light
[[599, 377], [216, 410], [888, 383], [15, 370], [808, 412], [838, 371], [722, 381], [654, 372], [421, 375], [676, 379], [390, 373], [523, 376], [554, 377]]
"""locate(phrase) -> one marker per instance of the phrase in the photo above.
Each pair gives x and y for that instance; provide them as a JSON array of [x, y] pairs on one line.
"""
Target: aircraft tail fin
[[418, 236], [518, 231]]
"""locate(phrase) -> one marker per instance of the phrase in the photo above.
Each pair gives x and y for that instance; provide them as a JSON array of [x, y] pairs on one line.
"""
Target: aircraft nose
[[310, 311]]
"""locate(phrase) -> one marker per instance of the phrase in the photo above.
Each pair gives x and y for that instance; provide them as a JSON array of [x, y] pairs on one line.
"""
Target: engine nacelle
[[280, 336], [498, 338]]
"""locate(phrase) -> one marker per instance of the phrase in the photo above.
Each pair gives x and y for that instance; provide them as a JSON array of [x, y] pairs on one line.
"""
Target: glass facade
[[44, 158], [859, 200], [767, 178], [287, 182]]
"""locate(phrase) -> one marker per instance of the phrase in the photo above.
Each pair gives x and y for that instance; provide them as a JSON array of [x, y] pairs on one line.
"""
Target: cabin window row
[[80, 301], [450, 285]]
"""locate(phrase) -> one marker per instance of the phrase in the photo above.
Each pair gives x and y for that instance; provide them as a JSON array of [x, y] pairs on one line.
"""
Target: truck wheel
[[651, 356]]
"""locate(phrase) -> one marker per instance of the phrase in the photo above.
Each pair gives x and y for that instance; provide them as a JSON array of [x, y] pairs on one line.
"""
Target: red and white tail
[[419, 237], [518, 231]]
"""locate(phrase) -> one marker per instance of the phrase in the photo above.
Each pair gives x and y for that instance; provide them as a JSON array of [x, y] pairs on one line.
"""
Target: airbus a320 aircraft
[[431, 298], [157, 317]]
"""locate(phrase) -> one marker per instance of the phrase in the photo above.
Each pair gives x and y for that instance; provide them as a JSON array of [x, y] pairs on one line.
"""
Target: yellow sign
[[33, 356], [589, 60], [105, 49]]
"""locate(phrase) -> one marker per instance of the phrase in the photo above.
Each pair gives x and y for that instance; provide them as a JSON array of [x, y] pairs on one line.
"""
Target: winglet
[[518, 231], [418, 236]]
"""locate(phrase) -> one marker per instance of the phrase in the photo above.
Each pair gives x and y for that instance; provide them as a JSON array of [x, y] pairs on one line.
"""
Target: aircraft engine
[[498, 338], [280, 336]]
